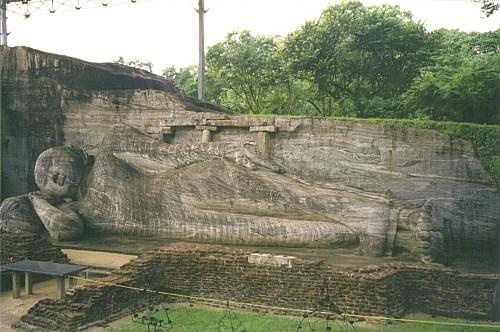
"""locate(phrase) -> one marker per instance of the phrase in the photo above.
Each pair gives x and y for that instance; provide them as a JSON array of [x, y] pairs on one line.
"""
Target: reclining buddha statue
[[207, 192]]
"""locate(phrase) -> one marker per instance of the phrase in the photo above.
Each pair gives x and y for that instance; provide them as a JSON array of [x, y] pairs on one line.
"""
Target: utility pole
[[3, 22], [201, 44]]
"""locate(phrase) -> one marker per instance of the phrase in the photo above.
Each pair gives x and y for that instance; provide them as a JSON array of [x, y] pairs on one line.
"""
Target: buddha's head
[[59, 171]]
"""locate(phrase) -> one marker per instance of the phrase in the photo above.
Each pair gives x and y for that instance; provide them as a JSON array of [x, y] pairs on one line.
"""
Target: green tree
[[242, 71], [185, 78], [463, 83], [359, 58]]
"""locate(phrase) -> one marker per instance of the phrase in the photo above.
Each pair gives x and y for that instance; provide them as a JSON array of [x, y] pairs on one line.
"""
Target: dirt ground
[[134, 245], [129, 245], [106, 260], [12, 309]]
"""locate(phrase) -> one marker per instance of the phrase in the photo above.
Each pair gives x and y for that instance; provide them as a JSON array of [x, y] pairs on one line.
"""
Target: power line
[[27, 8]]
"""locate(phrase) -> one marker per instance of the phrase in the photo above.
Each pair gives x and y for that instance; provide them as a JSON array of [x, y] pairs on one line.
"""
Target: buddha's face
[[58, 171]]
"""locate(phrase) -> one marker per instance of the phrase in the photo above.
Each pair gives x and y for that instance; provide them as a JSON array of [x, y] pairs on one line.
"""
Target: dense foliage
[[357, 61], [185, 78], [463, 81], [242, 71], [361, 58]]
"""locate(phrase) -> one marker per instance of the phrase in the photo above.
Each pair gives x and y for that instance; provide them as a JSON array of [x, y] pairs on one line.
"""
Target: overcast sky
[[166, 31]]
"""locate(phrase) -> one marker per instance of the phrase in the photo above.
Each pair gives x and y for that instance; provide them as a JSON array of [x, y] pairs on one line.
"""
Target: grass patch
[[186, 318]]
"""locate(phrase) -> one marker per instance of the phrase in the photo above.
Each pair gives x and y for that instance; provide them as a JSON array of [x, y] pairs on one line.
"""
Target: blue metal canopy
[[47, 268]]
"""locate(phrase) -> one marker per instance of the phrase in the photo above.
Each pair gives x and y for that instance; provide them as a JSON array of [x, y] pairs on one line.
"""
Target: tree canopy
[[185, 78], [242, 70], [360, 57], [463, 81]]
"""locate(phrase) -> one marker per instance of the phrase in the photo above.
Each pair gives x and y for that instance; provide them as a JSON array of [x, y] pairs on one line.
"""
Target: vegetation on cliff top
[[356, 61]]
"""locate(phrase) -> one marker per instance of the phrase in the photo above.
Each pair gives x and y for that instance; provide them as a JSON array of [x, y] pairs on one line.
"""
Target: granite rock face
[[443, 200], [160, 164]]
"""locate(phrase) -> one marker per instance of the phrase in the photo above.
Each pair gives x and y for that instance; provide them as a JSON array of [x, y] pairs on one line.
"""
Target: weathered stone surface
[[24, 245], [268, 129], [209, 128], [271, 260], [58, 172], [16, 246], [417, 169]]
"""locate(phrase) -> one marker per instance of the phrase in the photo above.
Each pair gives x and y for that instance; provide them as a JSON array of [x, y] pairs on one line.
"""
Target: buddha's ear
[[89, 162], [86, 158]]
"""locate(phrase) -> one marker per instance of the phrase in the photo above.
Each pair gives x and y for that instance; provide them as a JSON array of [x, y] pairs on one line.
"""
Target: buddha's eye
[[55, 176]]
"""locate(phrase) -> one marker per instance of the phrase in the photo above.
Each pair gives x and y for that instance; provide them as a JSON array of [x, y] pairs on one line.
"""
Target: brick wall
[[389, 289], [448, 293]]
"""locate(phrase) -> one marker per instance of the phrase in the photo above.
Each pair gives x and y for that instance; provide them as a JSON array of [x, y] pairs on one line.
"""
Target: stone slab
[[210, 128], [271, 260], [268, 129]]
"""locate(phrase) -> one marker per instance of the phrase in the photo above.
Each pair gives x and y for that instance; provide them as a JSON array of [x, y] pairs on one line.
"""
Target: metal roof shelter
[[58, 270]]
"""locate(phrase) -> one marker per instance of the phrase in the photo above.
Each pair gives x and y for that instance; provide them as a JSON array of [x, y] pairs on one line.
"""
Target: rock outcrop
[[176, 168], [49, 100]]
